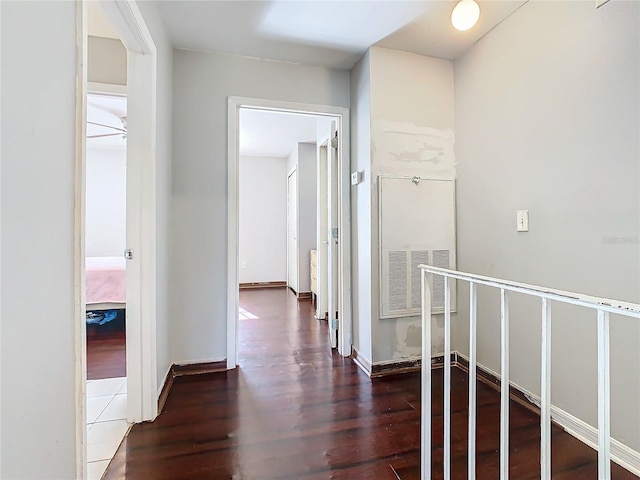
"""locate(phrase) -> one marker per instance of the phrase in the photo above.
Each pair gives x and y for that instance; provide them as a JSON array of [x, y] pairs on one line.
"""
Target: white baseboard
[[162, 382], [621, 454], [361, 362]]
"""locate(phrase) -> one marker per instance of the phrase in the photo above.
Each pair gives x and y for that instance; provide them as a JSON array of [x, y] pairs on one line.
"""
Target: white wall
[[307, 211], [106, 61], [547, 119], [411, 108], [202, 84], [361, 276], [164, 237], [37, 237], [105, 208], [262, 211]]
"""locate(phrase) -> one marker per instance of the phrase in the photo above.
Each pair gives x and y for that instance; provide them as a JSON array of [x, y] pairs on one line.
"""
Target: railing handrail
[[619, 307], [603, 307]]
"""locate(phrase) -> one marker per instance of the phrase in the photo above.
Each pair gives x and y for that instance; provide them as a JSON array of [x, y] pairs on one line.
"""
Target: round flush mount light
[[465, 15]]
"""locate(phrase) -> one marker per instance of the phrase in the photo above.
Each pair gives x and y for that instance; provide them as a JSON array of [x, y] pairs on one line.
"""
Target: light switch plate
[[355, 178], [523, 220]]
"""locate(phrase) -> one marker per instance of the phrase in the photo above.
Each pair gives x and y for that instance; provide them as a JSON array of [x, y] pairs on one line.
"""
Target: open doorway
[[135, 397], [105, 236], [300, 211], [105, 277], [277, 220]]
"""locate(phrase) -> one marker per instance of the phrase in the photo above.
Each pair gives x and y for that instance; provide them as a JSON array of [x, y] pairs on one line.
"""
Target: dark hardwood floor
[[295, 410], [106, 350]]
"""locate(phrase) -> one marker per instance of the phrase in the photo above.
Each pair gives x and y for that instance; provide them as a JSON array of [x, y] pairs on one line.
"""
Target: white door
[[292, 231], [323, 233], [332, 237]]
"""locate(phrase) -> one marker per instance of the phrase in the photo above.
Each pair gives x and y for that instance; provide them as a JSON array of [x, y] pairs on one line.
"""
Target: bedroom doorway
[[277, 196], [285, 201], [105, 275], [124, 19]]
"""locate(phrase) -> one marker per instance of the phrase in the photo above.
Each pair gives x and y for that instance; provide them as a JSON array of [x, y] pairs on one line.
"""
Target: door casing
[[341, 114], [142, 393], [292, 223]]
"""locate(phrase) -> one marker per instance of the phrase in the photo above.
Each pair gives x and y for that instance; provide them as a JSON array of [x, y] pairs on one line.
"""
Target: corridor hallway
[[295, 410]]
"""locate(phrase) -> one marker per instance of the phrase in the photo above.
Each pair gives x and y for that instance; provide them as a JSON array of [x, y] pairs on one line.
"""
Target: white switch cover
[[523, 220], [243, 264], [355, 178]]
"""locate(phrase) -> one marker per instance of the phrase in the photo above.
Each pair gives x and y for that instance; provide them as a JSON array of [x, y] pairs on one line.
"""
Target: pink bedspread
[[105, 280]]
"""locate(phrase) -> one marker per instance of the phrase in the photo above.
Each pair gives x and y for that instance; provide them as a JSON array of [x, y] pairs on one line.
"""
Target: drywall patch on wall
[[408, 149], [407, 336]]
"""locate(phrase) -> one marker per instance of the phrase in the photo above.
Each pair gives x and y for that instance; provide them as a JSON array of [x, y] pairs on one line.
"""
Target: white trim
[[141, 237], [79, 240], [296, 201], [362, 362], [322, 213], [621, 454], [141, 218], [164, 380], [342, 115], [0, 251], [142, 379], [345, 332], [108, 88]]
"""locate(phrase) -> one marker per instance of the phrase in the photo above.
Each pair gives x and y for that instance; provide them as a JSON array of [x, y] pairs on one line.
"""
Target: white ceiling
[[332, 33], [329, 33], [274, 134], [106, 110]]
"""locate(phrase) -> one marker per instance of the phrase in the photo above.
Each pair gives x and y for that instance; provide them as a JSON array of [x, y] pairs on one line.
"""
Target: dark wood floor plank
[[296, 410], [106, 350]]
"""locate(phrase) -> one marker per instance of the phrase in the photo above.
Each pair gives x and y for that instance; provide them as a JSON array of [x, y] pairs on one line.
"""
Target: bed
[[105, 283]]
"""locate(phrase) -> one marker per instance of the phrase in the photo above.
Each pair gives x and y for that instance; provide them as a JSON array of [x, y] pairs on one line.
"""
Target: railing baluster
[[471, 475], [504, 392], [602, 305], [604, 405], [447, 379], [425, 433], [545, 405]]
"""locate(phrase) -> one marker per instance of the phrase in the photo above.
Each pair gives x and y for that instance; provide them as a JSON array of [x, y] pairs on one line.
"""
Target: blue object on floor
[[101, 317]]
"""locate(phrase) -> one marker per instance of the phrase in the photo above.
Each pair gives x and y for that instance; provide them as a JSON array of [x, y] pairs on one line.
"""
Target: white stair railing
[[602, 306]]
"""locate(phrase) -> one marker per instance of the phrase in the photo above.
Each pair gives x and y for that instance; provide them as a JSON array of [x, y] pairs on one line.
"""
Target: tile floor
[[106, 422]]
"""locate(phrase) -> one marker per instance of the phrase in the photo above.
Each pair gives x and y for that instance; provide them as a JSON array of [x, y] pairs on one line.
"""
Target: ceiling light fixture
[[465, 15]]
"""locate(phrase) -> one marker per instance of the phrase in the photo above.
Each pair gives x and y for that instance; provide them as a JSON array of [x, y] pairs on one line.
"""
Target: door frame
[[322, 214], [333, 293], [341, 114], [142, 405], [293, 171]]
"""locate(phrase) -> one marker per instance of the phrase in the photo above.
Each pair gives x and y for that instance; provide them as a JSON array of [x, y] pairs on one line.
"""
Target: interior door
[[332, 238], [292, 231], [323, 233]]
